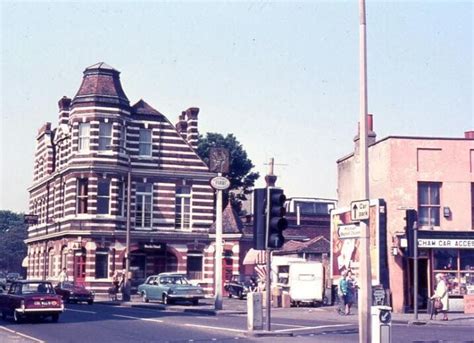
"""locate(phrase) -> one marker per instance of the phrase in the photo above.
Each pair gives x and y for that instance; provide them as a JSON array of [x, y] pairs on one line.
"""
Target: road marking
[[82, 311], [314, 327], [289, 325], [22, 335], [138, 318], [215, 328]]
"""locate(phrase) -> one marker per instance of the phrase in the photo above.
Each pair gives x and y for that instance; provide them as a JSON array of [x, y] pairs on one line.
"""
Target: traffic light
[[411, 223], [276, 218], [259, 218]]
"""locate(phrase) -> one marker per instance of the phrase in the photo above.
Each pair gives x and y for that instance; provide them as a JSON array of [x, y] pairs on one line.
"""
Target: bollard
[[254, 311]]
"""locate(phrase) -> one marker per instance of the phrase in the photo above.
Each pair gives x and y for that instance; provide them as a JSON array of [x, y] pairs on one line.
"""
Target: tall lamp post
[[365, 292], [127, 234]]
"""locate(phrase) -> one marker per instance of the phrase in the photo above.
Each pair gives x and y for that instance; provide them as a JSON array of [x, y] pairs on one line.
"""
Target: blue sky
[[281, 76]]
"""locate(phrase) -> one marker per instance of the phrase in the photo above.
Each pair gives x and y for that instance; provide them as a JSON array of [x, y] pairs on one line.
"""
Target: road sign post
[[360, 210]]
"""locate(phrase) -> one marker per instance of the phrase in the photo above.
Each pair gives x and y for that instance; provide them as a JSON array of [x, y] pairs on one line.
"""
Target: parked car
[[3, 281], [170, 287], [13, 277], [73, 293], [239, 286], [27, 299]]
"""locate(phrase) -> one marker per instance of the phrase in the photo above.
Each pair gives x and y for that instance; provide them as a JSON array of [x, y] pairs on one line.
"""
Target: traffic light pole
[[415, 270], [268, 277], [268, 287]]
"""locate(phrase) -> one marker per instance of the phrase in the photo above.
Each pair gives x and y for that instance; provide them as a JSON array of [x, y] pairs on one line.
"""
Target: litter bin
[[381, 324]]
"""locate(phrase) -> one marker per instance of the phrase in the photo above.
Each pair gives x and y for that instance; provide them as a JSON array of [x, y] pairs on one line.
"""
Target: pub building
[[80, 190], [435, 177]]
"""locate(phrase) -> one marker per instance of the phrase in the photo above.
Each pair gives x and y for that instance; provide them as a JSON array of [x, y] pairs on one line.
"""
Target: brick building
[[80, 190], [435, 176]]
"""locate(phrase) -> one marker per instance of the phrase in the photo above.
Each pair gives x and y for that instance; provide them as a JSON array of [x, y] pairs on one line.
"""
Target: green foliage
[[241, 177], [13, 232]]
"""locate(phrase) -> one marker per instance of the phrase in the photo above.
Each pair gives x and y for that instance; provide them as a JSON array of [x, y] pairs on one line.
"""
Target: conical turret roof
[[100, 85]]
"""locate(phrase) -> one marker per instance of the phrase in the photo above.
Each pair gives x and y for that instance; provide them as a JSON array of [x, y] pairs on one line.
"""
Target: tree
[[13, 249], [242, 179]]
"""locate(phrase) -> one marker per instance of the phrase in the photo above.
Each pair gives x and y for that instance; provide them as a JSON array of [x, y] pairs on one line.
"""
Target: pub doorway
[[79, 271]]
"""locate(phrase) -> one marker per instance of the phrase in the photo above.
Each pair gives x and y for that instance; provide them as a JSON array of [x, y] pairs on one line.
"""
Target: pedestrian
[[345, 288], [63, 277], [441, 293]]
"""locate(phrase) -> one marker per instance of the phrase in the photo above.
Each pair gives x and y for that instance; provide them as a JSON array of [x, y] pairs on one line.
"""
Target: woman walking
[[441, 293]]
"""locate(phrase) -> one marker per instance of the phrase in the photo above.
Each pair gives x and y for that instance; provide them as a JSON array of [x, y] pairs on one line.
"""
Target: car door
[[151, 288], [163, 285]]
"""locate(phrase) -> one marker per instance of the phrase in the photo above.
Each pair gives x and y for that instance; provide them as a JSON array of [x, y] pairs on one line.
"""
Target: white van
[[306, 282]]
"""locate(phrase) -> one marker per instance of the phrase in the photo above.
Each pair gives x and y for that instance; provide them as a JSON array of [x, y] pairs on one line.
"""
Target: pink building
[[435, 176]]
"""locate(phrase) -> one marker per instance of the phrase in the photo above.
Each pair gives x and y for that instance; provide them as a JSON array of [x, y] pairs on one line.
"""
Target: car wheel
[[195, 302], [55, 317], [325, 301], [90, 302], [241, 295], [144, 297], [230, 295]]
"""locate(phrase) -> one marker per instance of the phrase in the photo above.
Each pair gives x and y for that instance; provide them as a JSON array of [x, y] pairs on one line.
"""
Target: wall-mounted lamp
[[394, 251], [446, 212]]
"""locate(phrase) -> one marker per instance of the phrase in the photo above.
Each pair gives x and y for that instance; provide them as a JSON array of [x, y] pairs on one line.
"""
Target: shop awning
[[254, 257]]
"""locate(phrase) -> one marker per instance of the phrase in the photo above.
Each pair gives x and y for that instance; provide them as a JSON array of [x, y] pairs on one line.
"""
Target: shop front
[[452, 254]]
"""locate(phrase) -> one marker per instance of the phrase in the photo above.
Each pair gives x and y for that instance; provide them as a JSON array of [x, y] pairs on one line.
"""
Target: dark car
[[73, 293], [13, 277], [31, 299], [3, 281], [239, 286]]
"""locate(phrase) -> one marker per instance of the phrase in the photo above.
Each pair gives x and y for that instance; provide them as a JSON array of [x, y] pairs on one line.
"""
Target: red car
[[31, 299], [73, 293]]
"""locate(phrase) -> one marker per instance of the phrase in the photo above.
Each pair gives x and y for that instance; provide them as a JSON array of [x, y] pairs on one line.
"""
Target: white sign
[[446, 243], [360, 210], [220, 183], [348, 231]]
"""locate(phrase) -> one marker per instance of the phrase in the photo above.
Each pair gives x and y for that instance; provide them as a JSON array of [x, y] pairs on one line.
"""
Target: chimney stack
[[469, 134], [182, 125], [192, 121], [64, 105]]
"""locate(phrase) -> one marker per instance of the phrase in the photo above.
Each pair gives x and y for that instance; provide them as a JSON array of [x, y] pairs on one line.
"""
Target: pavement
[[235, 307]]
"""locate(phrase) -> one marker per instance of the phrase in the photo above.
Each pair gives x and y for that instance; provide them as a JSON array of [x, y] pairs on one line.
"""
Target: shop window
[[84, 137], [445, 259], [82, 195], [144, 195], [145, 142], [194, 266], [103, 196], [458, 267], [429, 203], [183, 208], [472, 205], [105, 136], [101, 264]]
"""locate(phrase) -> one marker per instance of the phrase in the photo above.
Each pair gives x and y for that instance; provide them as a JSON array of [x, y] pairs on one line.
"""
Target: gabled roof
[[315, 245], [231, 223], [142, 107]]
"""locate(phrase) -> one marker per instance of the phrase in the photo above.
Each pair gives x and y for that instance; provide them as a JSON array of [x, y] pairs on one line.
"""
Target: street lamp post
[[127, 233]]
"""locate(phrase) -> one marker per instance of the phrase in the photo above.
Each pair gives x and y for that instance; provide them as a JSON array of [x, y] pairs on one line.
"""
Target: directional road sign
[[360, 210]]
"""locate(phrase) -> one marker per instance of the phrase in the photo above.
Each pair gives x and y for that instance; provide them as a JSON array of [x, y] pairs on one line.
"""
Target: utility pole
[[365, 291], [218, 281]]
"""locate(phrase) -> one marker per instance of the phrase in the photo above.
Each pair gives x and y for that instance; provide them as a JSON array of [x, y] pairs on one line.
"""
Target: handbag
[[438, 305]]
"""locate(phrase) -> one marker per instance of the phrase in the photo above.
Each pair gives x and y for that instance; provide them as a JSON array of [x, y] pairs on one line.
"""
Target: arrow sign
[[360, 210]]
